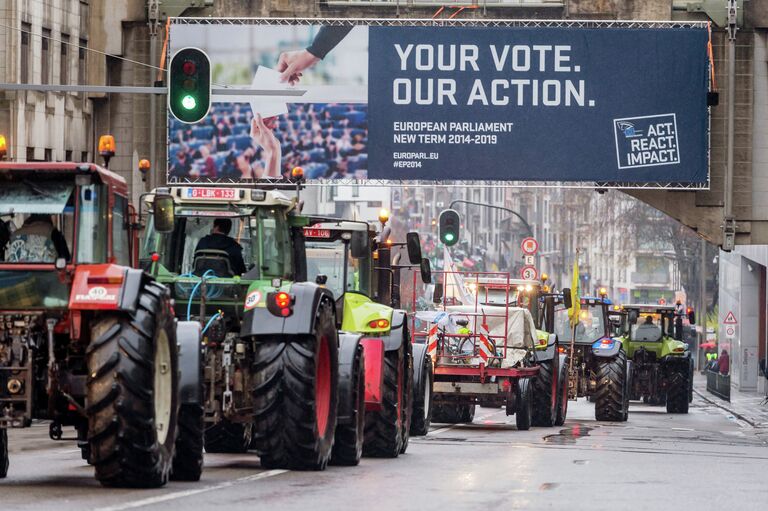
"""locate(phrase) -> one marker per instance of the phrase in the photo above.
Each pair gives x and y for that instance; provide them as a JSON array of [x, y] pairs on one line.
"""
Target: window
[[81, 69], [68, 155], [48, 154], [84, 156], [120, 245], [92, 233], [26, 28], [64, 63], [45, 56], [30, 154]]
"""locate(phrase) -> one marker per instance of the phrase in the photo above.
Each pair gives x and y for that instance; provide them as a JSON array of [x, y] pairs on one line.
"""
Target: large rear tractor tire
[[188, 460], [228, 437], [524, 400], [677, 390], [132, 398], [348, 445], [562, 394], [450, 413], [544, 388], [384, 429], [406, 410], [422, 399], [610, 399], [4, 461], [296, 396]]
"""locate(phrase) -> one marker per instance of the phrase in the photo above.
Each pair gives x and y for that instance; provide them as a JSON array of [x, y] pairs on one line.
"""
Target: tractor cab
[[593, 320], [512, 292], [231, 237], [340, 256], [54, 216], [656, 329]]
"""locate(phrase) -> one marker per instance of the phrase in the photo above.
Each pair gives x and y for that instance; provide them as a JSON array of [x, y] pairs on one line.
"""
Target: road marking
[[448, 428], [187, 493]]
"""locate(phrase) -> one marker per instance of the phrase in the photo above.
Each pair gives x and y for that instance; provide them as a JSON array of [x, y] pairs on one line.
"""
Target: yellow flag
[[575, 309]]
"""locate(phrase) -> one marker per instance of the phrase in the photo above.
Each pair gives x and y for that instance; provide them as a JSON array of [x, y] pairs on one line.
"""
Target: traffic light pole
[[515, 213]]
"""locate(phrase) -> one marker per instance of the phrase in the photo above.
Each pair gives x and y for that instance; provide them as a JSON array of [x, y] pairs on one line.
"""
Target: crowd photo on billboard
[[265, 137]]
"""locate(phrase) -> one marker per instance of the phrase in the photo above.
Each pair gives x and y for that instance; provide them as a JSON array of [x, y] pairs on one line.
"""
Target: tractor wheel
[[467, 413], [422, 399], [3, 453], [562, 395], [296, 396], [406, 411], [384, 429], [677, 390], [627, 389], [690, 380], [188, 460], [544, 389], [610, 395], [524, 409], [348, 445], [228, 437], [132, 398], [82, 443]]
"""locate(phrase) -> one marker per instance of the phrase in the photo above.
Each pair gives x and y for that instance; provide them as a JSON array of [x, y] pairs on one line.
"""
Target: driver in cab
[[219, 239]]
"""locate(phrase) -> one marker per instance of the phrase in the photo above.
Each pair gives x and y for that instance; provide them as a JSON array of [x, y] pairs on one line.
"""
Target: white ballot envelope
[[268, 79]]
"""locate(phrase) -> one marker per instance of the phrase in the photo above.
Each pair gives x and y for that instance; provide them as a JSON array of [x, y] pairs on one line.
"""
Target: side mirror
[[414, 247], [437, 295], [567, 302], [692, 317], [321, 279], [632, 317], [164, 213], [359, 244], [426, 271]]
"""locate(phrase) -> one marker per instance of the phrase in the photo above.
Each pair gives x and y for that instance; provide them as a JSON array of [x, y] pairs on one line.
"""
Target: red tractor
[[87, 341]]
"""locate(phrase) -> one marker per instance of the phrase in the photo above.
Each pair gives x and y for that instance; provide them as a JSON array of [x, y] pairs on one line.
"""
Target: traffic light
[[449, 226], [189, 85]]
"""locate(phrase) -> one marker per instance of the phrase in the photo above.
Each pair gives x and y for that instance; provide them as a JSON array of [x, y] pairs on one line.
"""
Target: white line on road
[[181, 494]]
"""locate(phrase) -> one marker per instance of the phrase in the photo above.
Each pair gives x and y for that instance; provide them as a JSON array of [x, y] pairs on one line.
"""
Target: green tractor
[[663, 366], [278, 376], [600, 370], [352, 260]]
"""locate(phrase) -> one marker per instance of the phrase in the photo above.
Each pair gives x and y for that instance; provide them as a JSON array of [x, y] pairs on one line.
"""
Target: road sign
[[529, 273], [529, 246], [530, 260], [730, 332], [730, 319]]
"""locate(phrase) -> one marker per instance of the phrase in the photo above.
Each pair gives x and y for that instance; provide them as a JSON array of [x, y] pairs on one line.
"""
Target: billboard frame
[[429, 22]]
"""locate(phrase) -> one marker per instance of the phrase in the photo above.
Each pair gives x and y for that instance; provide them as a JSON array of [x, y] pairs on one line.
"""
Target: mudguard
[[399, 331], [549, 353], [258, 321], [190, 362], [349, 345], [419, 354], [605, 349]]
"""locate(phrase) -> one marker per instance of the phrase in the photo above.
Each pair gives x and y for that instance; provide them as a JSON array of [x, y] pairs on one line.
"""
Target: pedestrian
[[724, 363]]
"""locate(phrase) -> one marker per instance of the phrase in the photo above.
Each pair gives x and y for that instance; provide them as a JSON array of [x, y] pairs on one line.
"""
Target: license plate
[[211, 193], [311, 232]]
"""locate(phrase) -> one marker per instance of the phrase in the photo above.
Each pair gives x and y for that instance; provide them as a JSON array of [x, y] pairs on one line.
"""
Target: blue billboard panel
[[623, 105]]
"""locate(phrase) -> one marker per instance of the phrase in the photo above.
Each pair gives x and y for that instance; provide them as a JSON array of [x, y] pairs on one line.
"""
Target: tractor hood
[[361, 314]]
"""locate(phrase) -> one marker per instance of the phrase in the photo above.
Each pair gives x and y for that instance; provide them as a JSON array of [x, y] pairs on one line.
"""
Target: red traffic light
[[189, 67]]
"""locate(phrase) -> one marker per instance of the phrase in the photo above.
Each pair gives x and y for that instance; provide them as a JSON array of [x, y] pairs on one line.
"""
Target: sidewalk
[[744, 405]]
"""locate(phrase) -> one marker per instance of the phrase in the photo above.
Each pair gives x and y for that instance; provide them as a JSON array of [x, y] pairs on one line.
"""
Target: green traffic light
[[449, 237], [189, 102]]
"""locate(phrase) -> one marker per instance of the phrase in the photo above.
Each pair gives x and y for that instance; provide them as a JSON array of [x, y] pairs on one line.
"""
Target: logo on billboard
[[647, 141]]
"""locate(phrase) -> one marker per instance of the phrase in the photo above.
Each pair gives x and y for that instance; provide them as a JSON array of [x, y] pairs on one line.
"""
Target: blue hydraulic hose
[[210, 321], [194, 290]]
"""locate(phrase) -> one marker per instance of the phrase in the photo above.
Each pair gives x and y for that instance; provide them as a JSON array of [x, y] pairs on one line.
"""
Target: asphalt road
[[703, 460]]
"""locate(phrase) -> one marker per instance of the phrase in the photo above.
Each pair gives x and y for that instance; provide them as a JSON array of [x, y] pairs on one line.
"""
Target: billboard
[[411, 100]]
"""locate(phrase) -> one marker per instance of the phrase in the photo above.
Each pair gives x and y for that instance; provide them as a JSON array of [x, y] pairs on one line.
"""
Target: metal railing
[[719, 384]]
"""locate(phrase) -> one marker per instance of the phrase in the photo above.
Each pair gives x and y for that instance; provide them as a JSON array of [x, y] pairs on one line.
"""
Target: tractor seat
[[216, 261]]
